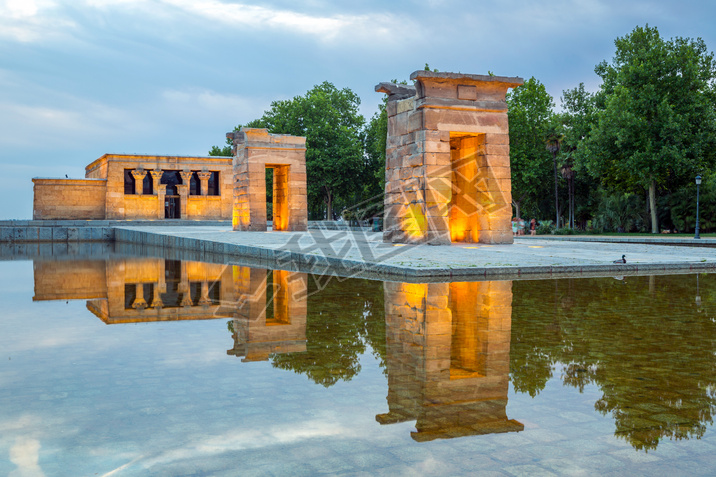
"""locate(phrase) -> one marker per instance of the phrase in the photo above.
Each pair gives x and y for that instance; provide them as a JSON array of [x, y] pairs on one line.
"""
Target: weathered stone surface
[[257, 150], [447, 160], [101, 195]]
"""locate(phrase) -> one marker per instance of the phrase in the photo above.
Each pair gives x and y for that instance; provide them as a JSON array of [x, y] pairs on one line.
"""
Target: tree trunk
[[652, 206], [329, 205], [517, 208], [556, 192]]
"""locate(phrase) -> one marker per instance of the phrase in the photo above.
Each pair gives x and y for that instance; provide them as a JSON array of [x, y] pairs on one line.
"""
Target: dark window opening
[[171, 179], [148, 184], [213, 187], [194, 184], [130, 294], [195, 290], [128, 181]]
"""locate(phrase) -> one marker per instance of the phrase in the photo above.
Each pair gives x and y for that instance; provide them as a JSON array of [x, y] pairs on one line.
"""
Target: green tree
[[656, 123], [328, 117], [577, 119], [376, 135], [530, 110]]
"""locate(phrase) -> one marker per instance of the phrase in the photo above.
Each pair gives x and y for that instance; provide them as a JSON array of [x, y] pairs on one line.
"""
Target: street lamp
[[698, 183]]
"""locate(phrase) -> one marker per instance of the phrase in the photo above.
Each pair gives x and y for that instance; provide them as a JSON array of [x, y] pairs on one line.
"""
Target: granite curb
[[320, 264]]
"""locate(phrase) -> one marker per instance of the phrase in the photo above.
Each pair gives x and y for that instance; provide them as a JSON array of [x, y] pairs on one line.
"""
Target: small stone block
[[45, 234], [468, 92], [84, 233], [19, 234]]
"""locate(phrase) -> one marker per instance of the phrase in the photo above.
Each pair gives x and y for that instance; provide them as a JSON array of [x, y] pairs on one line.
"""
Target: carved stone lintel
[[395, 91]]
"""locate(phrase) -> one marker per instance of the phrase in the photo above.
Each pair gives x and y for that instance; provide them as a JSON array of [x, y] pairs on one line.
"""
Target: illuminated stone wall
[[120, 205], [255, 150], [145, 290], [447, 159], [77, 199], [102, 194], [70, 280], [270, 314], [448, 357]]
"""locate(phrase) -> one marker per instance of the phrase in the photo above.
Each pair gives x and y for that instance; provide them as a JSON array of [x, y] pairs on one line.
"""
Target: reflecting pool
[[148, 366]]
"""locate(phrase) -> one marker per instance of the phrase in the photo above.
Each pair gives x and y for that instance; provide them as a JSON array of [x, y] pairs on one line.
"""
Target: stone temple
[[157, 187], [448, 159]]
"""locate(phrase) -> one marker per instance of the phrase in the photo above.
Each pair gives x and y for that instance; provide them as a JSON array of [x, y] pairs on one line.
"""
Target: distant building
[[140, 187]]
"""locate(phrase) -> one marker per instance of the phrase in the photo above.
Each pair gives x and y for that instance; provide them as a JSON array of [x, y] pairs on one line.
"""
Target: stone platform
[[363, 253]]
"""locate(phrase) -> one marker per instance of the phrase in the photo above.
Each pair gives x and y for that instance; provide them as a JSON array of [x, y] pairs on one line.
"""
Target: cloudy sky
[[80, 78]]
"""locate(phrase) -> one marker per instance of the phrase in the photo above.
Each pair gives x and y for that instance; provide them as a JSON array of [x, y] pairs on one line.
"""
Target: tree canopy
[[530, 112], [656, 124]]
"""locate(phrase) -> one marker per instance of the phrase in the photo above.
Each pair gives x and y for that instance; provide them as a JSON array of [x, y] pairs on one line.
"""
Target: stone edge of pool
[[223, 252], [137, 235]]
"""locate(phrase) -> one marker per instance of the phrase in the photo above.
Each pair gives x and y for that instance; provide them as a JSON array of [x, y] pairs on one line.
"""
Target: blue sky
[[80, 78]]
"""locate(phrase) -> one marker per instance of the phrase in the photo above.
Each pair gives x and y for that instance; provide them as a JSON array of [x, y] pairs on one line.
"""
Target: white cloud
[[28, 21], [254, 439], [77, 120], [256, 17], [194, 103], [25, 454]]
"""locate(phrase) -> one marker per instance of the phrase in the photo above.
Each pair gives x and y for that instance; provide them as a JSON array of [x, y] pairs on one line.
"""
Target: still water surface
[[145, 366]]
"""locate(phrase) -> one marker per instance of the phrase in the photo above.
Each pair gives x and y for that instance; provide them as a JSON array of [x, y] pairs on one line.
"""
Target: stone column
[[157, 299], [139, 175], [183, 190], [161, 286], [156, 178], [204, 178], [185, 178], [161, 197], [204, 300], [139, 302], [184, 287]]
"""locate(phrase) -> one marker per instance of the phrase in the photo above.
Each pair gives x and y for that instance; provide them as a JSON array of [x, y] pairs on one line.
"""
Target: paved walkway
[[365, 253]]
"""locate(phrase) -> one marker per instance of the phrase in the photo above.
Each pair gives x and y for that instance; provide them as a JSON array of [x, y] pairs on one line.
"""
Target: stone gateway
[[447, 173]]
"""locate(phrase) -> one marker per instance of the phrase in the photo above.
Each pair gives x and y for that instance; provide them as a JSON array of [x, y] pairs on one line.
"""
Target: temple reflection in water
[[447, 345], [448, 357], [450, 351], [267, 308]]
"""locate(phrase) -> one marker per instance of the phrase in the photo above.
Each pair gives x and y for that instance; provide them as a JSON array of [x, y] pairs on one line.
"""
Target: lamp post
[[698, 183]]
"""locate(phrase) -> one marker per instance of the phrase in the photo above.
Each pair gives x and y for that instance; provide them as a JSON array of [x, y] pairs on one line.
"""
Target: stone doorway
[[447, 175], [467, 151], [172, 207], [255, 151]]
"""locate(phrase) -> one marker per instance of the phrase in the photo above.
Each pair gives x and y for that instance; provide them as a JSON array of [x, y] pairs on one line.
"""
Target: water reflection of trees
[[644, 341], [343, 318]]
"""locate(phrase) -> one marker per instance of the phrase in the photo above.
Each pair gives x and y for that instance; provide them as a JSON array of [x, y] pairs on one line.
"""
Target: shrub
[[545, 228]]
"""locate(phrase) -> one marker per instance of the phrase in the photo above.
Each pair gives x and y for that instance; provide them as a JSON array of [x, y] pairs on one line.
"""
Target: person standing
[[533, 227]]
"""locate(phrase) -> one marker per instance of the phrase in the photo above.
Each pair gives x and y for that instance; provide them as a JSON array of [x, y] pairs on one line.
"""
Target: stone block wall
[[255, 150], [137, 206], [77, 199], [150, 307], [448, 357], [270, 313], [69, 280], [447, 159]]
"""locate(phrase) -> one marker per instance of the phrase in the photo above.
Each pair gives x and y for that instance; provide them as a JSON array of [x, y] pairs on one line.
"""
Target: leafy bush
[[621, 212], [545, 228], [564, 231]]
